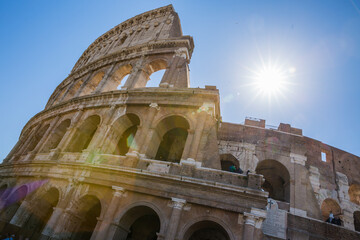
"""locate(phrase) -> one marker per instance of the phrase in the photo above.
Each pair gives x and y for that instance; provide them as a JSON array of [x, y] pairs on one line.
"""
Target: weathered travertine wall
[[110, 158]]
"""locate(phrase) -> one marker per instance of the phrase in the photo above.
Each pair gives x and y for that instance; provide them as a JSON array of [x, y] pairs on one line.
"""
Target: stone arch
[[116, 79], [56, 136], [41, 211], [84, 214], [12, 204], [277, 179], [354, 193], [155, 66], [139, 221], [84, 134], [123, 132], [328, 205], [90, 86], [200, 227], [357, 220], [39, 134], [169, 139], [227, 160]]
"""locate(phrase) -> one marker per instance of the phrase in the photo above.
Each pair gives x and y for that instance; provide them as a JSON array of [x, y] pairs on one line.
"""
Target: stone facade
[[110, 158]]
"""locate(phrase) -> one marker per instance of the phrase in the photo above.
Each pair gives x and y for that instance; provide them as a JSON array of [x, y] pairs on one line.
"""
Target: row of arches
[[167, 143], [124, 76], [137, 222], [277, 177]]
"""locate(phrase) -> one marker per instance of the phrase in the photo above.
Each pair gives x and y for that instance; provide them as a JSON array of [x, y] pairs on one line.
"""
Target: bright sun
[[271, 80]]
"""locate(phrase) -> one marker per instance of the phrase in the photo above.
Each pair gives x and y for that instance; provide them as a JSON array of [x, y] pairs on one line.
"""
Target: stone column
[[103, 230], [177, 205], [144, 137], [22, 215], [188, 144], [197, 135], [70, 131], [25, 146], [52, 223], [46, 136], [253, 224]]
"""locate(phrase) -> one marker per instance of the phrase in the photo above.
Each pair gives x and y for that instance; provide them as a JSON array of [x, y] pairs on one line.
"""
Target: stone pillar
[[188, 144], [103, 230], [52, 223], [70, 132], [253, 223], [104, 79], [144, 137], [197, 135], [22, 215], [46, 136], [177, 205], [29, 139]]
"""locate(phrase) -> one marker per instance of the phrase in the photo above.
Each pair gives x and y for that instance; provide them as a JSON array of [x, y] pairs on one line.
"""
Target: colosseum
[[110, 158]]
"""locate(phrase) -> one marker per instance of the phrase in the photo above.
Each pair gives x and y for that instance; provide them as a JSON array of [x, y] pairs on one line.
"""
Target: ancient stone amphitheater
[[109, 158]]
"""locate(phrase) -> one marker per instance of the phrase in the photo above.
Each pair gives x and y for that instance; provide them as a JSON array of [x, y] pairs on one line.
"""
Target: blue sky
[[41, 41]]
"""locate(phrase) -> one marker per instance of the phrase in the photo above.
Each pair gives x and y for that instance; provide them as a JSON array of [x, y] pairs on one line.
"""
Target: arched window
[[357, 220], [139, 223], [156, 70], [56, 136], [12, 204], [169, 139], [84, 134], [330, 206], [88, 210], [123, 134], [37, 137], [228, 160], [91, 85], [72, 89], [117, 79], [42, 210], [277, 179], [208, 230]]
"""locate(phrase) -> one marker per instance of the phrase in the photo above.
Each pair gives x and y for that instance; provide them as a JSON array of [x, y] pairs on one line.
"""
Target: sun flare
[[272, 80]]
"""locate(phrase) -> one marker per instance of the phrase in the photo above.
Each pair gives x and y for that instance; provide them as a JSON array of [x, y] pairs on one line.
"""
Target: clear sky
[[319, 41]]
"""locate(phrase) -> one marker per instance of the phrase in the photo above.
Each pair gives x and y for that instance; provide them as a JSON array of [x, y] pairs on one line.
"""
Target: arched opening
[[87, 212], [56, 136], [169, 139], [227, 160], [122, 135], [37, 137], [206, 230], [118, 78], [138, 223], [42, 208], [329, 206], [354, 193], [84, 134], [121, 85], [277, 179], [12, 204], [91, 85], [155, 78], [156, 70], [357, 220]]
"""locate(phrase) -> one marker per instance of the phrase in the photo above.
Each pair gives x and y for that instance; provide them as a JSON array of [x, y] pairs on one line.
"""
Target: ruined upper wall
[[156, 25], [126, 56], [285, 140]]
